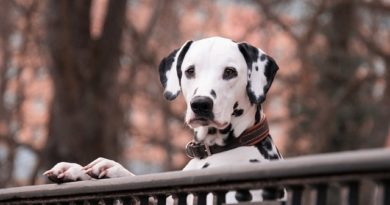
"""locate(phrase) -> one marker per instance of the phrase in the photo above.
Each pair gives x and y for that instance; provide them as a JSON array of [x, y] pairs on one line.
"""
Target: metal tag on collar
[[189, 152], [197, 150]]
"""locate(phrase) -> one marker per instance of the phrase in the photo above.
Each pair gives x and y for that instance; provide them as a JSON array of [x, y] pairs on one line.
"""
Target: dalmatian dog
[[224, 84]]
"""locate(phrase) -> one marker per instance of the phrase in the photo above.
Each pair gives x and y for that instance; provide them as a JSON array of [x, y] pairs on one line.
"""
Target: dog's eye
[[229, 73], [190, 72]]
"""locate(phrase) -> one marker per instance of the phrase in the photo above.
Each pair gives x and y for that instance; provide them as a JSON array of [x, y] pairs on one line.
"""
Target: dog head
[[215, 74]]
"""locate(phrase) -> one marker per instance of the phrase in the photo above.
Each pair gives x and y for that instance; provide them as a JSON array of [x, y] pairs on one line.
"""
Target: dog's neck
[[211, 136]]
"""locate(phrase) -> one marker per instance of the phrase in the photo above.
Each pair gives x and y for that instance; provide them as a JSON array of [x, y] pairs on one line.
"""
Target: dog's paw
[[105, 168], [66, 172]]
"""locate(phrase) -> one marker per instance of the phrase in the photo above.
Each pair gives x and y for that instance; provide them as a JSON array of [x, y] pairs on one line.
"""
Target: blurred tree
[[15, 41], [6, 165], [86, 119], [335, 104]]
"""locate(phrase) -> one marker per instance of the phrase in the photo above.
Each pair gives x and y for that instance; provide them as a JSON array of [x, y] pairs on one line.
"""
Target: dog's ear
[[170, 71], [261, 72]]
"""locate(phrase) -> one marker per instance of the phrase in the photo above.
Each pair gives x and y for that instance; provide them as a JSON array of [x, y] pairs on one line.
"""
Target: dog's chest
[[234, 157]]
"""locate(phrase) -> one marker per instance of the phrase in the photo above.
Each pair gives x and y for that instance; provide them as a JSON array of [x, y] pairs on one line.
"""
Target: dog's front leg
[[105, 168], [66, 172]]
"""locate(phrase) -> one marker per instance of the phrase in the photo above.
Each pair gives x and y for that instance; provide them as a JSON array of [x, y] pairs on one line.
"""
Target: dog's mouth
[[202, 121]]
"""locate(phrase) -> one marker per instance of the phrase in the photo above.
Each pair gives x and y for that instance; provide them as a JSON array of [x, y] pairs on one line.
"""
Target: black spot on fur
[[270, 71], [205, 165], [243, 195], [237, 112], [229, 137], [273, 193], [165, 65], [249, 52], [267, 153], [196, 90], [181, 58], [257, 68], [257, 114], [212, 131], [262, 57], [254, 161], [235, 105], [212, 93], [170, 96], [226, 130], [268, 144], [251, 95]]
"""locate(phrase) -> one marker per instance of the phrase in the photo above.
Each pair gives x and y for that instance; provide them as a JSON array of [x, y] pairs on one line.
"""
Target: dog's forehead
[[215, 43], [215, 50]]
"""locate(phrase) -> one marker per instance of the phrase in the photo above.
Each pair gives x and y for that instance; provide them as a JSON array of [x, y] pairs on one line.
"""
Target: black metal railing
[[360, 177]]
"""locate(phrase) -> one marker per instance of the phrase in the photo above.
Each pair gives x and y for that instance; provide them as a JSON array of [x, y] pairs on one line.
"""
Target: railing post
[[93, 201], [272, 193], [180, 199], [219, 197], [142, 200], [81, 202], [321, 194], [128, 200], [200, 198], [108, 201], [161, 199], [353, 192], [296, 195], [243, 195], [386, 192]]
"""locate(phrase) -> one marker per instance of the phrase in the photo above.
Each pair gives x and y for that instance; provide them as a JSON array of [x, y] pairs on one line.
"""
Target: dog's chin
[[201, 122]]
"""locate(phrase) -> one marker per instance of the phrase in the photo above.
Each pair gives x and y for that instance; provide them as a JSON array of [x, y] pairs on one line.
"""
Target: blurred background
[[79, 79]]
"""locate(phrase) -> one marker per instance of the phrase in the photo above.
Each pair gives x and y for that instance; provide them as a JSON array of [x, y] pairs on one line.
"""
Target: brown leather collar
[[249, 137]]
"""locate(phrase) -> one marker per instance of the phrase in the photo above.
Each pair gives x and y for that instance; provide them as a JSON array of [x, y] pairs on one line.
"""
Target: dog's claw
[[47, 173], [102, 174]]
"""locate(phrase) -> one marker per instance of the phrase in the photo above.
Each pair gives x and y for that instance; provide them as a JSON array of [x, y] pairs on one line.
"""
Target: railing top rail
[[356, 162]]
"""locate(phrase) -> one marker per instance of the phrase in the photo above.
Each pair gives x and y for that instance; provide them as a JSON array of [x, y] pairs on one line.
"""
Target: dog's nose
[[202, 105]]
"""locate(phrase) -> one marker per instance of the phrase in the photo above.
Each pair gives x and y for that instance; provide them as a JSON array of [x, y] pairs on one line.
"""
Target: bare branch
[[313, 24], [153, 21], [266, 9], [327, 111], [371, 45], [376, 6]]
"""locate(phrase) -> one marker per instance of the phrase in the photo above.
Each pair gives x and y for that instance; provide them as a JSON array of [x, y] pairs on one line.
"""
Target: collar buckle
[[197, 150]]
